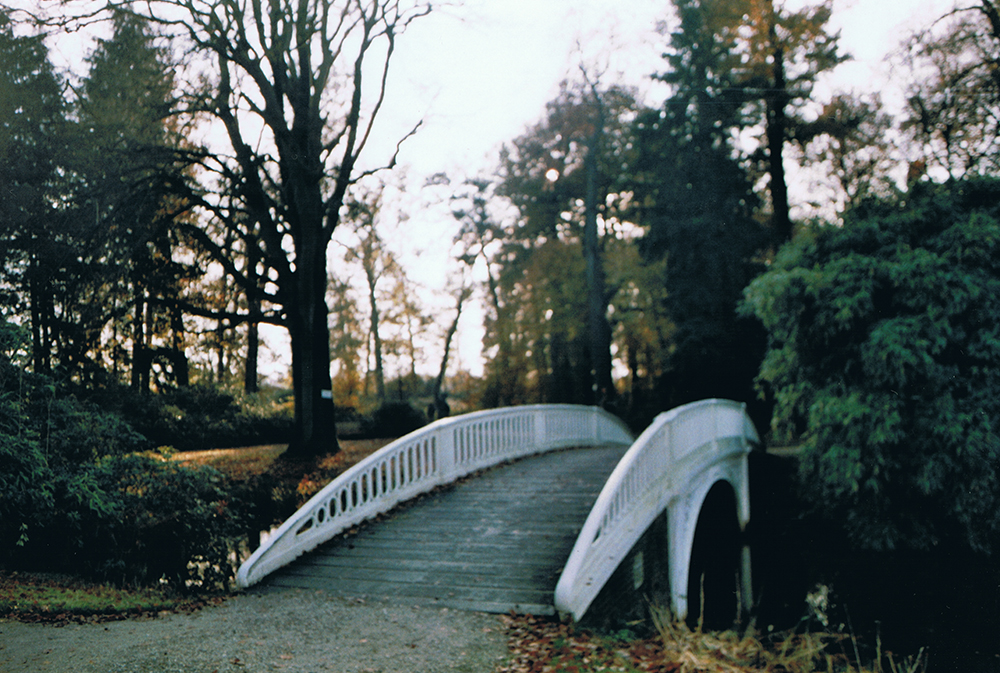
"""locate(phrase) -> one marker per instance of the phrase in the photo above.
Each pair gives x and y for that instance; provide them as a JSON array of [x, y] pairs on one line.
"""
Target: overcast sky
[[480, 74]]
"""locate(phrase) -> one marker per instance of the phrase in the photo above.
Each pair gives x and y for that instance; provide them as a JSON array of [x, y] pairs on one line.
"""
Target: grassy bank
[[254, 461], [61, 599]]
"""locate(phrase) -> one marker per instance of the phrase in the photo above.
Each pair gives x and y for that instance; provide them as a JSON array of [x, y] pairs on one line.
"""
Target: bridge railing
[[652, 475], [437, 454]]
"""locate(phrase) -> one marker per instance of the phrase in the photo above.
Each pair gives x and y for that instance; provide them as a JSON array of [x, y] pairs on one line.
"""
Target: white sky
[[478, 75]]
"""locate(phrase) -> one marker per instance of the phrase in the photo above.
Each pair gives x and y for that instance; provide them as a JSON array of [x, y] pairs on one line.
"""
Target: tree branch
[[233, 317]]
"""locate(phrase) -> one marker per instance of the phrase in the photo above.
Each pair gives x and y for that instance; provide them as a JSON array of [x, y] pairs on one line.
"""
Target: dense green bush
[[148, 519], [25, 489], [79, 492], [196, 418], [74, 432], [884, 359], [24, 484], [137, 519]]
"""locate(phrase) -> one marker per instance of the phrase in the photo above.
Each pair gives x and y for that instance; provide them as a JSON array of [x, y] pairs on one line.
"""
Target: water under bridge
[[539, 509]]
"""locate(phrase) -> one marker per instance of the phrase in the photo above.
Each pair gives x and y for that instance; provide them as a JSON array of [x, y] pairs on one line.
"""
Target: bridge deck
[[493, 543]]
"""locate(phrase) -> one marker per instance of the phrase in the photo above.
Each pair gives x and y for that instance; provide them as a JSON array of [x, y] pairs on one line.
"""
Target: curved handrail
[[434, 455], [677, 446]]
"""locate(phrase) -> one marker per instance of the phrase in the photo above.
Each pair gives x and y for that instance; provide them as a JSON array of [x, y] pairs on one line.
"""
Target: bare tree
[[288, 81], [953, 113]]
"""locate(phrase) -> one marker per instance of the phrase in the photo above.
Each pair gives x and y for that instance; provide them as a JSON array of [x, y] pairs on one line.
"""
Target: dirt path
[[266, 630]]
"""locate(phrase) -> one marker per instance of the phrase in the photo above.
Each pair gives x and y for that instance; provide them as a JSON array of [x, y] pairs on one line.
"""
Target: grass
[[239, 463], [60, 599]]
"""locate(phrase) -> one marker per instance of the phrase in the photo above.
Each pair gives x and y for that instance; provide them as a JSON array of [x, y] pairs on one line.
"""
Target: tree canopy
[[884, 361]]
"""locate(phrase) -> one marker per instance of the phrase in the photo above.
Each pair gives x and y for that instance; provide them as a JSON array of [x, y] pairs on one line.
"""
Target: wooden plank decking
[[494, 542]]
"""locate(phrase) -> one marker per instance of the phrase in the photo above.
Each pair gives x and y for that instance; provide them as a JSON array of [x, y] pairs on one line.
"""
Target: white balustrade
[[437, 454], [670, 467]]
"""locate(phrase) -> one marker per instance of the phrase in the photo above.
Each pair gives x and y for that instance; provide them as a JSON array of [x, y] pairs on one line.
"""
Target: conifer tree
[[131, 171], [33, 155], [699, 208], [732, 67]]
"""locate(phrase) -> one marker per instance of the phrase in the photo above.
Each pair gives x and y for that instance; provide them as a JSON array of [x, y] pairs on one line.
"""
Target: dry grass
[[300, 478], [250, 461], [238, 463], [545, 645], [730, 652], [695, 651]]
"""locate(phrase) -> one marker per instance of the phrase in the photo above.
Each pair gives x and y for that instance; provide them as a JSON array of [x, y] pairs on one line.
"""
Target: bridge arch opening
[[714, 579]]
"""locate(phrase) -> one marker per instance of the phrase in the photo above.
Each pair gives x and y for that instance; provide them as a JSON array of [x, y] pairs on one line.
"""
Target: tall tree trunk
[[505, 385], [180, 363], [146, 371], [138, 337], [777, 129], [220, 352], [115, 368], [599, 331], [250, 375], [439, 398], [41, 310], [315, 429], [373, 305]]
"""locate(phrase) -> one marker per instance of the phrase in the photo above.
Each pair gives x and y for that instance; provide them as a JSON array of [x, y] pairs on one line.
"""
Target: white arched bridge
[[540, 509]]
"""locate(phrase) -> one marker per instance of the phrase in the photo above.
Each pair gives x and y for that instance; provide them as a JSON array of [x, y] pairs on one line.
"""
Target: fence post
[[541, 427], [446, 453]]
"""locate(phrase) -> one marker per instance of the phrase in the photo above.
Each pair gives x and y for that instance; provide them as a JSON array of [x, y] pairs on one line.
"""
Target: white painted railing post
[[541, 427], [446, 454]]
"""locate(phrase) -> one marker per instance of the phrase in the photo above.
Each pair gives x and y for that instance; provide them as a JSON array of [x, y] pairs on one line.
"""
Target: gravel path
[[266, 629]]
